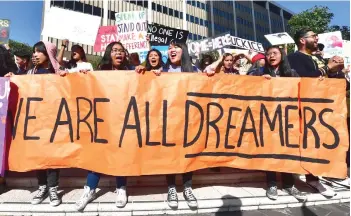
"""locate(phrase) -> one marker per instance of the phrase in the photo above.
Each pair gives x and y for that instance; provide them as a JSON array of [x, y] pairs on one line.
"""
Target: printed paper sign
[[347, 53], [216, 43], [105, 36], [162, 49], [332, 44], [75, 26], [132, 30], [4, 96], [178, 122], [162, 35], [279, 38], [4, 31], [236, 51]]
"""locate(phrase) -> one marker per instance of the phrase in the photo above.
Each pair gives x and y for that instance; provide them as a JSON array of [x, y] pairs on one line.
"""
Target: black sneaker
[[172, 198], [41, 195], [272, 192], [293, 191], [189, 197], [54, 197]]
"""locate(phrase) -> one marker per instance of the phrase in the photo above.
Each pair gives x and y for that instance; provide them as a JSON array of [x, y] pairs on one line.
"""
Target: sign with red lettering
[[132, 30], [4, 31], [105, 36]]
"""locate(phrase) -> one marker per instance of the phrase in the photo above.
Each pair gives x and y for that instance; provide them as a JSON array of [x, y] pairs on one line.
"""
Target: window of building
[[196, 20], [198, 4], [133, 2], [176, 13], [206, 23], [195, 36], [201, 22], [159, 8], [190, 36], [193, 3], [207, 7], [153, 6], [188, 2], [165, 10], [203, 7], [97, 11], [181, 15], [140, 3], [68, 5], [145, 4], [88, 9], [192, 18], [187, 17], [170, 11]]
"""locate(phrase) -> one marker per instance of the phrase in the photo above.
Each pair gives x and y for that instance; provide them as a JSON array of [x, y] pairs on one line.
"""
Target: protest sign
[[332, 42], [4, 31], [347, 53], [162, 35], [279, 38], [4, 96], [162, 49], [236, 51], [220, 41], [74, 26], [178, 122], [105, 36], [132, 30]]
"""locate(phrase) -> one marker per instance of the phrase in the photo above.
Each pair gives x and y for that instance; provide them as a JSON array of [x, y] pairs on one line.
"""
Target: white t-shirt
[[81, 66]]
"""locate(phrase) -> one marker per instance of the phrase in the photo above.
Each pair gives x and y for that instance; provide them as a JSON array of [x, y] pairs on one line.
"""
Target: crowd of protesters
[[307, 61]]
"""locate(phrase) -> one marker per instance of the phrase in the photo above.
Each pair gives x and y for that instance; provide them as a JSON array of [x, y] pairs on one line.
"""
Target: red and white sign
[[105, 36]]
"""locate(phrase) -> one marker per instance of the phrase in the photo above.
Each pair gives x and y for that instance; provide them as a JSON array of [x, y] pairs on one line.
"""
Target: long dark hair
[[106, 61], [40, 47], [202, 62], [186, 65], [284, 66], [7, 64], [160, 64], [73, 63]]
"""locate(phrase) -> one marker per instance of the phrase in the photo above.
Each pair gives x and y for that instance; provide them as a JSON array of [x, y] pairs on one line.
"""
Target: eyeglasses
[[118, 50], [312, 36]]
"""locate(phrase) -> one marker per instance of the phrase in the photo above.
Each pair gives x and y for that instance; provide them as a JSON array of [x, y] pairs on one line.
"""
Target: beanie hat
[[257, 57]]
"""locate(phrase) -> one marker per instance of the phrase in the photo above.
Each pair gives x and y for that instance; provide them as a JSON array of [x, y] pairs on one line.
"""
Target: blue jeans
[[93, 179]]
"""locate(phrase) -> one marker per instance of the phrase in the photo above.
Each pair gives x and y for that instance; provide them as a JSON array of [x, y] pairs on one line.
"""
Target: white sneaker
[[322, 189], [121, 197], [86, 198]]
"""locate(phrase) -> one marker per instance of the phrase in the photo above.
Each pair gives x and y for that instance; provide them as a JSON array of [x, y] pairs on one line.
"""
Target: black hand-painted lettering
[[164, 126], [213, 123], [147, 121], [252, 130], [229, 126], [63, 105], [289, 126], [189, 103], [97, 120], [14, 129], [79, 120], [309, 125], [28, 117], [272, 123], [132, 105], [334, 132]]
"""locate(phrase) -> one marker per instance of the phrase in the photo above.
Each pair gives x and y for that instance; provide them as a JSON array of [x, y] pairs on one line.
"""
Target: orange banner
[[123, 123]]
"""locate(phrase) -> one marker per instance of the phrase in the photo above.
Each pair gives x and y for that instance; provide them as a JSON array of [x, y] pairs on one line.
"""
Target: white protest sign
[[220, 41], [279, 38], [332, 44], [236, 51], [132, 30], [347, 53], [74, 26]]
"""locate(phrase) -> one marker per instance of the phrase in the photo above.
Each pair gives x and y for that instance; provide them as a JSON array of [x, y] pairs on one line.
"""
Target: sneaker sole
[[272, 197], [55, 204], [174, 205], [313, 187], [82, 208], [192, 206]]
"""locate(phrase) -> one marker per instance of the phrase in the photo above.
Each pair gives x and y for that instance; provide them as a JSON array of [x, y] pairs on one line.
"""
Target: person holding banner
[[226, 65], [302, 62], [258, 63], [154, 61], [45, 63], [78, 60], [113, 59]]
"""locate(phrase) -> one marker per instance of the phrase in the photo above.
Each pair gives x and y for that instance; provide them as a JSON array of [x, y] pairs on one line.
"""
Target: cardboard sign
[[332, 44], [75, 26], [236, 51], [132, 30], [347, 53], [163, 35], [216, 43], [4, 96], [105, 36], [279, 38], [133, 124], [162, 49], [4, 31]]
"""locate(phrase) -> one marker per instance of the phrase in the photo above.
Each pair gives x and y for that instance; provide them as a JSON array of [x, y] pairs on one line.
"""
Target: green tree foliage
[[20, 47], [317, 19]]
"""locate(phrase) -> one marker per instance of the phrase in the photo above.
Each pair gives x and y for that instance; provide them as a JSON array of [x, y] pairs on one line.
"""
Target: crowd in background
[[307, 61]]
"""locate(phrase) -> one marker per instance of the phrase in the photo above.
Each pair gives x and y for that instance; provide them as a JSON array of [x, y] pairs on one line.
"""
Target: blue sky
[[26, 16]]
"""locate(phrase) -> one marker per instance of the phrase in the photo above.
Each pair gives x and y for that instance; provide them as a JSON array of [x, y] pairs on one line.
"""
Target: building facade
[[246, 19]]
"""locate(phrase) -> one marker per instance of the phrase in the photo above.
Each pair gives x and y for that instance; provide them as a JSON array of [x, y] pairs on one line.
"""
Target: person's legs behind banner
[[48, 184], [172, 197]]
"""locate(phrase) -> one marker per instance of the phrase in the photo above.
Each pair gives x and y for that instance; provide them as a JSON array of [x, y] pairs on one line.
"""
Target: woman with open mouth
[[113, 59], [154, 61]]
